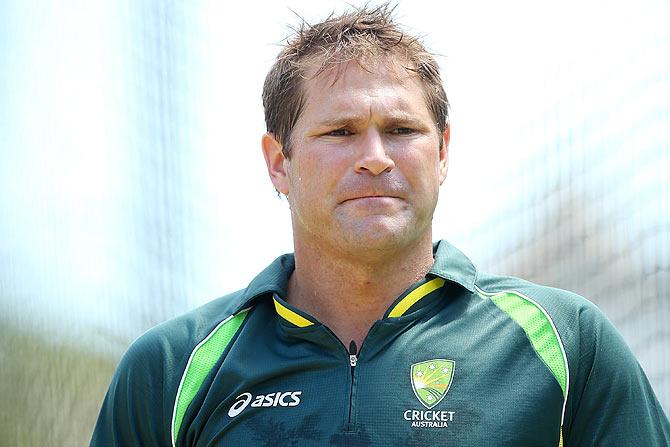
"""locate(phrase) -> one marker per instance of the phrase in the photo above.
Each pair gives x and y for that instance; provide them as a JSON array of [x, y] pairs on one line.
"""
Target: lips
[[371, 197], [359, 188]]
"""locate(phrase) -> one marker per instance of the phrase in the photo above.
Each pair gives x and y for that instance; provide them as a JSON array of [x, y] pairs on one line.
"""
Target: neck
[[349, 293]]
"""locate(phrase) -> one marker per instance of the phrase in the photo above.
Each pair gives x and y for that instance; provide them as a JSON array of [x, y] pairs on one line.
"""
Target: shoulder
[[602, 380], [161, 354], [565, 327], [581, 328], [140, 402], [164, 351], [169, 344], [571, 313]]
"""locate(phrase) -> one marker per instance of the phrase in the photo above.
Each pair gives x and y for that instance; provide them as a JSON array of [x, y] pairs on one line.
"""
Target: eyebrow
[[340, 121], [397, 117]]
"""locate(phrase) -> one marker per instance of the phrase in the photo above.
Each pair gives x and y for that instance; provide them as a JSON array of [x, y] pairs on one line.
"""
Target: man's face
[[365, 166]]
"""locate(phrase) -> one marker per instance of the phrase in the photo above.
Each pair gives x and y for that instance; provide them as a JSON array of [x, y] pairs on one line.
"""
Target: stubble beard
[[375, 237]]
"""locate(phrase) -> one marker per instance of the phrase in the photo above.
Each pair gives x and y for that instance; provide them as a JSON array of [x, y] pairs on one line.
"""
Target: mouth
[[373, 198]]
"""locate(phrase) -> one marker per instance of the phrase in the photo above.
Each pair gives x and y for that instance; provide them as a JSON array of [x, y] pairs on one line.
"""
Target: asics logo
[[278, 399]]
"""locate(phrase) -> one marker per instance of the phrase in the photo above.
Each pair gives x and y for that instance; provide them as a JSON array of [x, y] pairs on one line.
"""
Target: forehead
[[354, 86]]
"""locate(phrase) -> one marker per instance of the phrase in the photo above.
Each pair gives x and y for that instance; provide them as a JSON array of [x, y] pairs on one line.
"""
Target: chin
[[381, 235]]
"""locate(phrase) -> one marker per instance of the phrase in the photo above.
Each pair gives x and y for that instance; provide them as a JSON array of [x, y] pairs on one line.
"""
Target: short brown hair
[[351, 36]]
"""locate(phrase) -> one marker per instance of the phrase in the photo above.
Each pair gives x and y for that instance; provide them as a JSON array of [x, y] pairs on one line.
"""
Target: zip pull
[[352, 353]]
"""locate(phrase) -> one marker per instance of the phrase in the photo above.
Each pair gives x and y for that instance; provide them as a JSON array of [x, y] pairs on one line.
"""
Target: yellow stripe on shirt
[[415, 295], [291, 316]]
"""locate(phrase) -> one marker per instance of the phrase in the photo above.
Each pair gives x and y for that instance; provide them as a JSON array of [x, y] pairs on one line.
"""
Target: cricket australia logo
[[431, 380]]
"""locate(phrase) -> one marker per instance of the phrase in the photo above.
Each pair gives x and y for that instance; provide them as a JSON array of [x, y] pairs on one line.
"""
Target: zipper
[[353, 360], [352, 357], [353, 353]]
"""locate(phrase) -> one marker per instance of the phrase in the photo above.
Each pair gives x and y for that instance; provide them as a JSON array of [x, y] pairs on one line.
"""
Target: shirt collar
[[450, 264], [273, 279]]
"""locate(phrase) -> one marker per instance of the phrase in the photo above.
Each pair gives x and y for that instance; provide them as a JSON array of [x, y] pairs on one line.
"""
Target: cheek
[[302, 177], [307, 184], [321, 168], [422, 172]]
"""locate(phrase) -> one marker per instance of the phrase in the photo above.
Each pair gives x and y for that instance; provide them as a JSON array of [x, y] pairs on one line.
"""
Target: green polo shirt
[[461, 358]]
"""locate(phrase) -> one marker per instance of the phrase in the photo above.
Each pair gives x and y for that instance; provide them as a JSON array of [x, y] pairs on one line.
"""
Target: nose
[[372, 155]]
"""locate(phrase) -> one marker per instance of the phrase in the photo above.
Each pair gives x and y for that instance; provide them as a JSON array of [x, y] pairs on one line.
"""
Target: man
[[370, 334]]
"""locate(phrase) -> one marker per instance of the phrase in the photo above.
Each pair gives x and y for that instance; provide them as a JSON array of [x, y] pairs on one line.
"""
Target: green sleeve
[[611, 402], [134, 411]]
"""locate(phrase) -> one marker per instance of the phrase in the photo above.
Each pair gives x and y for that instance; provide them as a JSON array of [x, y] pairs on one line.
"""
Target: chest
[[442, 384]]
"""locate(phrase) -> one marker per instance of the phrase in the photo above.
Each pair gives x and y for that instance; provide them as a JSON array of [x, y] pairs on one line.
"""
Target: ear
[[274, 160], [444, 153]]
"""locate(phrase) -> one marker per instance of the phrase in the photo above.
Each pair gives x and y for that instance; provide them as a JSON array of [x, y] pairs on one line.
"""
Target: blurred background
[[132, 185]]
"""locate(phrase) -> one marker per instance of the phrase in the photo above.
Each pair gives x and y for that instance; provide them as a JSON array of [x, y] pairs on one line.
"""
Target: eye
[[402, 131], [339, 133]]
